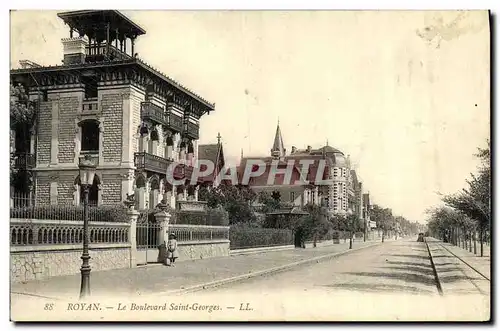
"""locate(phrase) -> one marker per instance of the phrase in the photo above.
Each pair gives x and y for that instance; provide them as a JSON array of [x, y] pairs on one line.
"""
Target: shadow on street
[[407, 277], [378, 288]]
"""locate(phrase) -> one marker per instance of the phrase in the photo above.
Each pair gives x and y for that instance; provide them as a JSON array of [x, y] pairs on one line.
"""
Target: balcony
[[150, 162], [193, 130], [24, 160], [175, 122], [94, 156], [154, 113], [90, 105], [98, 54]]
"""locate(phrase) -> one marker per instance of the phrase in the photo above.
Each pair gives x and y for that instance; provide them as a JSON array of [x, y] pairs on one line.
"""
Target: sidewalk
[[455, 277], [481, 264], [158, 278]]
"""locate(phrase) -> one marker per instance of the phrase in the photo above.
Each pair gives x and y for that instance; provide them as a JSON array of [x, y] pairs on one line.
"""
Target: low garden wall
[[45, 248], [201, 241]]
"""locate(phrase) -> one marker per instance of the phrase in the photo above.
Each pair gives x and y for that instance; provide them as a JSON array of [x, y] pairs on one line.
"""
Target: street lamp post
[[87, 173]]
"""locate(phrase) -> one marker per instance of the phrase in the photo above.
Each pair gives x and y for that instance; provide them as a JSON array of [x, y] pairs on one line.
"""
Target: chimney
[[294, 149], [74, 50]]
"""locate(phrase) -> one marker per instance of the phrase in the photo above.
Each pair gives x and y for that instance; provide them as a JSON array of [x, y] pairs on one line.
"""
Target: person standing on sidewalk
[[172, 252]]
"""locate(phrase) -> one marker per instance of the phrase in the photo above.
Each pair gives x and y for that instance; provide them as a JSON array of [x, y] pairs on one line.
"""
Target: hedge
[[248, 237]]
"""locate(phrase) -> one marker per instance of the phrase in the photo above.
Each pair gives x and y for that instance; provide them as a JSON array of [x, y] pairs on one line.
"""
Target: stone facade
[[112, 112], [44, 133], [39, 264], [196, 251], [111, 189], [65, 191], [43, 191], [68, 106]]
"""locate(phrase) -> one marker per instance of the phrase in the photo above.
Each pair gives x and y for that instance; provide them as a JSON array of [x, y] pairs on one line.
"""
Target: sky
[[405, 94]]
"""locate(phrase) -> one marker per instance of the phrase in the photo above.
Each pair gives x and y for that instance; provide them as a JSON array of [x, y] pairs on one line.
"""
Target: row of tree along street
[[314, 224], [465, 216]]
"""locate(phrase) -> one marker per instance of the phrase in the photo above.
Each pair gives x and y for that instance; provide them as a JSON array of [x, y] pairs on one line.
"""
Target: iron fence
[[147, 230], [192, 233], [67, 233]]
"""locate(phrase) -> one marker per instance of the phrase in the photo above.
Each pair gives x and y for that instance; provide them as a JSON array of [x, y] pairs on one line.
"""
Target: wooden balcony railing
[[24, 160], [193, 130], [98, 54], [150, 162], [175, 122], [152, 112]]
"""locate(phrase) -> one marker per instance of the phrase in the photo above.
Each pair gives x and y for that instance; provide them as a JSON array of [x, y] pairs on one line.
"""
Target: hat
[[172, 236]]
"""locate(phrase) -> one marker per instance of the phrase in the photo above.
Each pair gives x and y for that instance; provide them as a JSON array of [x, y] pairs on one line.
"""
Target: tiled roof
[[211, 152]]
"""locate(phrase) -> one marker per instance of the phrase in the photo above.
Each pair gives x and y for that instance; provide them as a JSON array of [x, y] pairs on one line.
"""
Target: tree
[[236, 200], [383, 217], [269, 202], [22, 111], [475, 200], [22, 119], [352, 226], [314, 225]]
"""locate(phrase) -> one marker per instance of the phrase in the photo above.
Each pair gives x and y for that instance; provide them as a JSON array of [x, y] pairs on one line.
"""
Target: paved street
[[399, 266], [386, 282], [389, 281]]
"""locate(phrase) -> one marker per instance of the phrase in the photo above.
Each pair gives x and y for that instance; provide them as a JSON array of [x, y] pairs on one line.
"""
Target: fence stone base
[[30, 265], [203, 250]]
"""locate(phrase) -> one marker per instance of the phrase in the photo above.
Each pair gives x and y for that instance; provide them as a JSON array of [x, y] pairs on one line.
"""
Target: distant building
[[342, 195], [104, 101], [215, 154]]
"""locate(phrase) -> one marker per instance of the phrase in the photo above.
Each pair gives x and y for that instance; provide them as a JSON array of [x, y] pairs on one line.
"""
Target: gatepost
[[133, 216], [163, 219]]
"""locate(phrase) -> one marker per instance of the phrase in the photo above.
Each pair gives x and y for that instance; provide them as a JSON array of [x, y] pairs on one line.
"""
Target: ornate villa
[[105, 101], [342, 196]]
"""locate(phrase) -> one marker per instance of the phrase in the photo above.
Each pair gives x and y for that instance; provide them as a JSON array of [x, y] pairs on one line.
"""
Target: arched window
[[154, 135], [90, 136], [169, 147], [170, 141]]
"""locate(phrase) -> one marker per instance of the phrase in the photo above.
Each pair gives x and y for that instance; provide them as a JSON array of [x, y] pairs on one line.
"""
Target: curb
[[436, 276], [248, 251], [281, 268]]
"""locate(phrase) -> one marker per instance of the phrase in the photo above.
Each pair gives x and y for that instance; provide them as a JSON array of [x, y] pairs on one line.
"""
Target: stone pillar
[[196, 190], [133, 215], [141, 197], [172, 196], [184, 193], [127, 184], [161, 191], [163, 219]]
